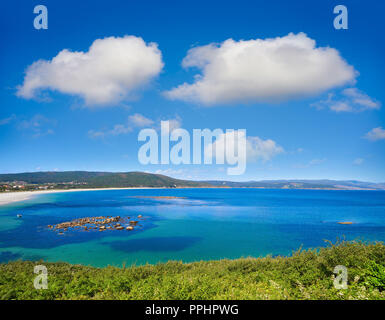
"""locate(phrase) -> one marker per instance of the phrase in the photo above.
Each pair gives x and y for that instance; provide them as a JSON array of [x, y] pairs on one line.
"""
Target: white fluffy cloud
[[262, 71], [376, 134], [107, 73]]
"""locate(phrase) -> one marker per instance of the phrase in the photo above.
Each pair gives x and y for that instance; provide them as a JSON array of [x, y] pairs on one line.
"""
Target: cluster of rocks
[[101, 223]]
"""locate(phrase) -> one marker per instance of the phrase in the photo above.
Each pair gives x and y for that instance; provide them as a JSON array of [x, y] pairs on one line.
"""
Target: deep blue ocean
[[201, 224]]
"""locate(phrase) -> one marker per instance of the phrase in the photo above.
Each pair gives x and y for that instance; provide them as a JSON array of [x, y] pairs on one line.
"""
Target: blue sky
[[322, 129]]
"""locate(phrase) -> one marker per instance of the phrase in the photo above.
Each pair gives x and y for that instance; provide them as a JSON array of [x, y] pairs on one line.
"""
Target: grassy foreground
[[307, 274]]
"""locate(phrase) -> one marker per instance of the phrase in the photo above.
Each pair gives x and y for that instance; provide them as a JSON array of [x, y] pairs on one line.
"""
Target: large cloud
[[108, 73], [262, 71]]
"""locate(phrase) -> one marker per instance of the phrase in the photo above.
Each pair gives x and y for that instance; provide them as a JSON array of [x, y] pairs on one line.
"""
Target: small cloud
[[8, 120], [120, 129], [135, 120], [139, 120], [348, 100], [358, 161], [96, 134], [37, 121], [313, 162], [295, 151], [317, 161], [38, 125], [117, 130], [376, 134], [257, 148], [361, 99], [340, 106]]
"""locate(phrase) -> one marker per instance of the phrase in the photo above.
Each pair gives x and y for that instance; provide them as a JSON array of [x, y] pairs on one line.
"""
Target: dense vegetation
[[307, 274], [85, 179]]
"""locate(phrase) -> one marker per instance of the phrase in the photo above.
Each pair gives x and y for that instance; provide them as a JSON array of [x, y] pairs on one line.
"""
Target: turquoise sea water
[[204, 224]]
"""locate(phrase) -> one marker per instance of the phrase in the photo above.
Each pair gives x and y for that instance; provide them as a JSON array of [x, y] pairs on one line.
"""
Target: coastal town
[[12, 186]]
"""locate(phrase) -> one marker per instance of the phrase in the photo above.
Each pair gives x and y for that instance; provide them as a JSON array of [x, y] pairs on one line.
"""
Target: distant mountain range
[[301, 184], [86, 179]]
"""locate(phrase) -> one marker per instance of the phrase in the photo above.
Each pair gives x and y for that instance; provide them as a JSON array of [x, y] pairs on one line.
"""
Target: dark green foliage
[[100, 179], [376, 275], [307, 274]]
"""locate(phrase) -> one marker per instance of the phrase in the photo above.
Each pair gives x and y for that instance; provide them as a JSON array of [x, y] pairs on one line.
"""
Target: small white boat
[[19, 215]]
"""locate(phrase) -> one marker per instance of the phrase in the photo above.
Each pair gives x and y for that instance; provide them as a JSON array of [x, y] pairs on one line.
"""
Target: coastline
[[11, 197], [17, 196]]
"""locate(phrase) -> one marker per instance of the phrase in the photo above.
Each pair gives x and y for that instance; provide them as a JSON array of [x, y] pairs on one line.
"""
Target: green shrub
[[376, 275], [306, 274]]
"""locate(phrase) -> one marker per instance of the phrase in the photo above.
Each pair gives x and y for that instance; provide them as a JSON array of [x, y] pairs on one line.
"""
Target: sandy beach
[[10, 197]]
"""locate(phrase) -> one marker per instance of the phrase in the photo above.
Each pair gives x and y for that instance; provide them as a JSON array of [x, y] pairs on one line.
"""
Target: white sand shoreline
[[16, 196], [10, 197]]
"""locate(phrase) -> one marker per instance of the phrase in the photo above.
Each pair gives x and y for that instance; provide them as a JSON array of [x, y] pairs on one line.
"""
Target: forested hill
[[86, 179], [98, 179]]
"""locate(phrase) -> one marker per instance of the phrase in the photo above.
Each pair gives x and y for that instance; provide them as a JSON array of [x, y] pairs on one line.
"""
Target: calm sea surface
[[202, 224]]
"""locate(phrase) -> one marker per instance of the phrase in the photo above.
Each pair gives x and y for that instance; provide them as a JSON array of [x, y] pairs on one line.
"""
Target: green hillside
[[99, 179], [87, 179]]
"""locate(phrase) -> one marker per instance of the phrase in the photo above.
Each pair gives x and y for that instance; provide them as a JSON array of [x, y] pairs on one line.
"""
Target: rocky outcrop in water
[[102, 223]]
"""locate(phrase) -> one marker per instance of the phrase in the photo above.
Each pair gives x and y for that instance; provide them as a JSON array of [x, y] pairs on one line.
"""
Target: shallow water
[[204, 224]]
